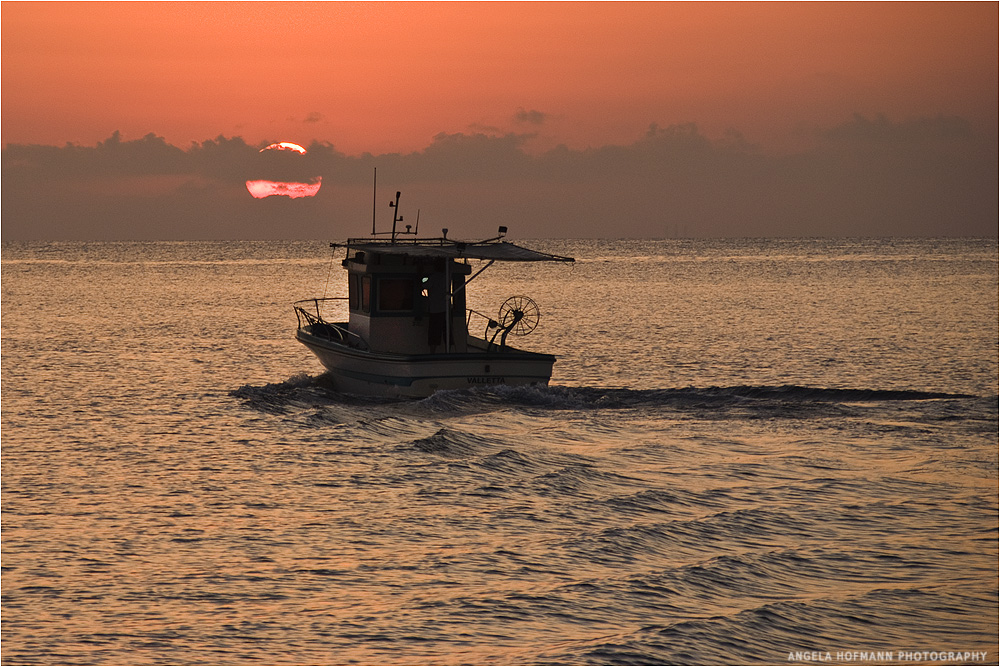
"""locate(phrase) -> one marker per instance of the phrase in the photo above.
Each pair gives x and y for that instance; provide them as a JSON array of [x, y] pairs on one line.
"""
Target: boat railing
[[481, 320], [400, 240], [491, 325], [321, 327]]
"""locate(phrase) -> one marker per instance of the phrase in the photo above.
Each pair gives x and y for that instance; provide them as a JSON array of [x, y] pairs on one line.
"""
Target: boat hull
[[369, 373]]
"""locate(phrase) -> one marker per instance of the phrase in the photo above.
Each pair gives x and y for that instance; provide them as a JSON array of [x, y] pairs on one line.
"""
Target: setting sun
[[282, 166], [262, 189], [284, 146]]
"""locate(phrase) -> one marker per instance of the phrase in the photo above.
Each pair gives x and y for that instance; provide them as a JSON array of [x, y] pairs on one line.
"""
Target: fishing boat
[[409, 332]]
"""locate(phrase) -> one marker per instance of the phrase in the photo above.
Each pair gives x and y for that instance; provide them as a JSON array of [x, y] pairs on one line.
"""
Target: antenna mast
[[374, 194], [396, 217]]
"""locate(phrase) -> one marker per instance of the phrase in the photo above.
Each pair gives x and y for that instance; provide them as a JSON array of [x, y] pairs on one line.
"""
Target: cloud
[[915, 131], [482, 128], [865, 177], [310, 118], [530, 117]]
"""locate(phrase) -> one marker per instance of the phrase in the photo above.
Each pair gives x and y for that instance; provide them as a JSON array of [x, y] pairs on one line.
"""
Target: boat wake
[[310, 391]]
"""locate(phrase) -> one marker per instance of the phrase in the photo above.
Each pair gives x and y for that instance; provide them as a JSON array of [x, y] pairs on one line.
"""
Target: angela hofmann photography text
[[883, 657]]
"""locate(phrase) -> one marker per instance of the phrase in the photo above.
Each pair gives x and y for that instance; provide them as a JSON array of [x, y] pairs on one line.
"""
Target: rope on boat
[[329, 272]]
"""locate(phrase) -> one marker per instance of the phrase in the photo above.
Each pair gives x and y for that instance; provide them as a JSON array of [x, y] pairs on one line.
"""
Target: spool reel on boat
[[517, 315]]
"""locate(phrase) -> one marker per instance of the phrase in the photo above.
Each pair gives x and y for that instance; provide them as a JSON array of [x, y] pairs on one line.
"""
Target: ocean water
[[751, 452]]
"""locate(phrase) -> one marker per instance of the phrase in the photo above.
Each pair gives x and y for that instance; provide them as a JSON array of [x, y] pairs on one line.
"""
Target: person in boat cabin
[[437, 305]]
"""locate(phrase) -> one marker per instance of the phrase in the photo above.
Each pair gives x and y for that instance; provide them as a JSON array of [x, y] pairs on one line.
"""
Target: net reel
[[517, 315]]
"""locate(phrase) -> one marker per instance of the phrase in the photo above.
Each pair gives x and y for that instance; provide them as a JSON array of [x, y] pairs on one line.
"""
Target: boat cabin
[[407, 304]]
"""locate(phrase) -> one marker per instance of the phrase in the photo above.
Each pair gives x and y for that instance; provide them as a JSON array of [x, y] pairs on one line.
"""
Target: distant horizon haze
[[868, 177]]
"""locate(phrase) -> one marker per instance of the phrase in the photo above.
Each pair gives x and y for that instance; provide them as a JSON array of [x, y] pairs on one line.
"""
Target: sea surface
[[751, 452]]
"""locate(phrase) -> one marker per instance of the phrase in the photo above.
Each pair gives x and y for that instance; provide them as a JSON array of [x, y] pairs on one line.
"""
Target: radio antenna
[[396, 217], [374, 195]]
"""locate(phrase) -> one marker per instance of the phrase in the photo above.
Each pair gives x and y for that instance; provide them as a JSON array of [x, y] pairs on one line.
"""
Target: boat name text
[[487, 380]]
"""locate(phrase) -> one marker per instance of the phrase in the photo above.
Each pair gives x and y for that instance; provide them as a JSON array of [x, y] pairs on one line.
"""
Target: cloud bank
[[865, 177]]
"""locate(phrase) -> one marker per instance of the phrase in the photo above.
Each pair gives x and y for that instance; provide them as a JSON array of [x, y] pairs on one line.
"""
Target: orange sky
[[388, 77]]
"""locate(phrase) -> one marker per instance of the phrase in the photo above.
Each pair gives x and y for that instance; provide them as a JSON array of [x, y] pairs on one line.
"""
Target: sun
[[284, 146], [280, 171]]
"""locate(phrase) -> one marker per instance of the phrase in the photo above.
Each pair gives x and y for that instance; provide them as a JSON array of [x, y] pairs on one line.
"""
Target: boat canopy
[[494, 249]]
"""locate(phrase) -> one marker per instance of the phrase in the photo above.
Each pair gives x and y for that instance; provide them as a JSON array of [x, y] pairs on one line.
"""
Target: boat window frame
[[366, 293], [353, 292]]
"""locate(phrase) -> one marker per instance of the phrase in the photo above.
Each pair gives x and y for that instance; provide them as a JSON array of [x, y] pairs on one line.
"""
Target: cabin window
[[353, 291], [366, 294], [395, 294]]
